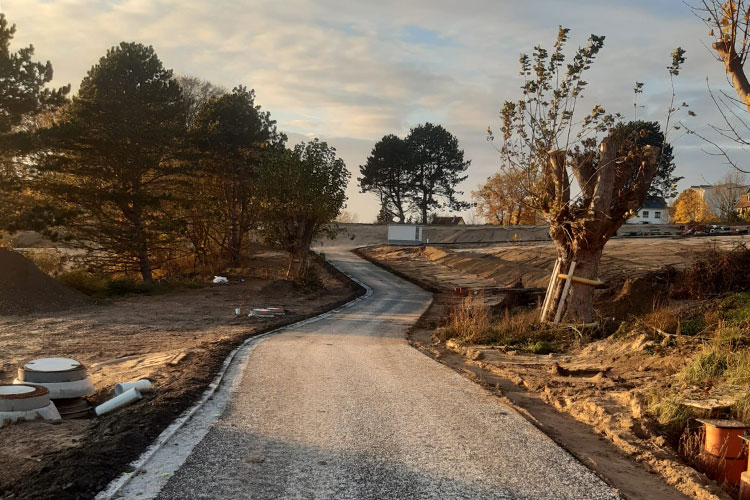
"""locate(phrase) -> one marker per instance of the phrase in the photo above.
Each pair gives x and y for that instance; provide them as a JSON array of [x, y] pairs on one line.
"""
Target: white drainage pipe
[[143, 385], [130, 396]]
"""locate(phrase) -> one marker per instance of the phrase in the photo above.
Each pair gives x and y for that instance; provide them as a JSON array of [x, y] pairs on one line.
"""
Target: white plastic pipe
[[130, 396], [143, 385]]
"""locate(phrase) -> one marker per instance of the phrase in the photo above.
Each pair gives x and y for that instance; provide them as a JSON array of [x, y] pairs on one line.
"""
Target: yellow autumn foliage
[[690, 207]]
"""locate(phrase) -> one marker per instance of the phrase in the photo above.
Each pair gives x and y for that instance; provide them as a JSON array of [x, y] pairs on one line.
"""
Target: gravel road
[[344, 408]]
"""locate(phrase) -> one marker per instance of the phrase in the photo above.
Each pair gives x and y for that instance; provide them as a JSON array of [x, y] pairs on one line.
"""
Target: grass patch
[[735, 309], [669, 412], [705, 367], [469, 321]]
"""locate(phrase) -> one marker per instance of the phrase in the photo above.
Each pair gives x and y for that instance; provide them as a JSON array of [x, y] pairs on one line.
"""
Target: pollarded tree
[[301, 191], [24, 97], [388, 173], [229, 134], [437, 168], [112, 159], [613, 165]]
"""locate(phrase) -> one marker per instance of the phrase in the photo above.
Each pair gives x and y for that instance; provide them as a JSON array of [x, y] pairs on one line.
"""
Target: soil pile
[[25, 289]]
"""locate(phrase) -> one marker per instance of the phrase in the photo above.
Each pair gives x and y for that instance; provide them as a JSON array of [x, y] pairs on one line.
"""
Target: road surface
[[344, 408]]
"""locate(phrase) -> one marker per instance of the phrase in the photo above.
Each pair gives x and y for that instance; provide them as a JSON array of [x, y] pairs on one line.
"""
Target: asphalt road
[[344, 408]]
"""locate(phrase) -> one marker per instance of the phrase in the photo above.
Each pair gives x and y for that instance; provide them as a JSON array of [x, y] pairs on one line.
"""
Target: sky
[[351, 71]]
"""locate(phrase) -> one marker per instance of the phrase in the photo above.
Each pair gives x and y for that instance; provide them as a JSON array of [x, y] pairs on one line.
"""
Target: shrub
[[84, 282], [713, 273], [124, 286], [48, 261]]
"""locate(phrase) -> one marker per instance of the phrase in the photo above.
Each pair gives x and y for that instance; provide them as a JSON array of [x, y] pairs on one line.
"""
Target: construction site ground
[[592, 398], [178, 340]]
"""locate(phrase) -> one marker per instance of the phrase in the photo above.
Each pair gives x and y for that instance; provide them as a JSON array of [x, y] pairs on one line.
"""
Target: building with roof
[[743, 206], [654, 211]]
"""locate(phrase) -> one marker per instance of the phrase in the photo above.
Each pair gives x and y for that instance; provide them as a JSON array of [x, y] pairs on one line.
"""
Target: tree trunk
[[234, 237], [144, 264], [578, 306], [301, 250], [733, 67]]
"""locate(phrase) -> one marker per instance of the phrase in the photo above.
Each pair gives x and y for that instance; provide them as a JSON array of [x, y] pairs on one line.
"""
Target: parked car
[[714, 229]]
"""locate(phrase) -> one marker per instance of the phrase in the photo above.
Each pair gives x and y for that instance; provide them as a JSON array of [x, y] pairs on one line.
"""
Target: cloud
[[351, 72]]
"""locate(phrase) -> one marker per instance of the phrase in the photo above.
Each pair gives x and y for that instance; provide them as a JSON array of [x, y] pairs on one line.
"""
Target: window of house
[[657, 215], [645, 213]]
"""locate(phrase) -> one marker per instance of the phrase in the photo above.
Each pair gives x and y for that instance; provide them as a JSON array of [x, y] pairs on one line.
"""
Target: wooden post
[[565, 291], [550, 287]]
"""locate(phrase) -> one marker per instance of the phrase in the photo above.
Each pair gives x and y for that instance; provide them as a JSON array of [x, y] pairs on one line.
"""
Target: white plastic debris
[[143, 385], [130, 396], [220, 280]]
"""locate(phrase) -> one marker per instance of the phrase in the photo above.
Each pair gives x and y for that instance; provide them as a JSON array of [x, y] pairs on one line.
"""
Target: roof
[[447, 221], [743, 203], [657, 202]]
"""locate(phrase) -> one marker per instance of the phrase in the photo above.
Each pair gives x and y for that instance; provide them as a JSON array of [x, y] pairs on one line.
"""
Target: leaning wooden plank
[[550, 287], [565, 291]]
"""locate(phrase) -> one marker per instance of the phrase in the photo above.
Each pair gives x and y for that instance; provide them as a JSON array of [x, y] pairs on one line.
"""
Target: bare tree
[[725, 194], [195, 93]]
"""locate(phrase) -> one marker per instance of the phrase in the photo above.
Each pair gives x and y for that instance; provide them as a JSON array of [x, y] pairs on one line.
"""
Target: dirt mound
[[634, 295], [25, 289]]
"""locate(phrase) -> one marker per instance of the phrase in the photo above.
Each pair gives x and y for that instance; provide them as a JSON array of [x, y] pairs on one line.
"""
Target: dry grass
[[470, 321], [473, 322], [691, 449]]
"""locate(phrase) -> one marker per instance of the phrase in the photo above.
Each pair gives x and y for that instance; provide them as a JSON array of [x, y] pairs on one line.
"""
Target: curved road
[[344, 408]]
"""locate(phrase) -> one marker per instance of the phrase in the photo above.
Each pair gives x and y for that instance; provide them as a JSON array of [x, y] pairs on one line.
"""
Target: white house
[[654, 211]]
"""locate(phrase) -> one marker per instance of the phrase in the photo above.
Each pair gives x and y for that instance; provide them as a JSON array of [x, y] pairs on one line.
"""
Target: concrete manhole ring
[[22, 391], [52, 370], [23, 398]]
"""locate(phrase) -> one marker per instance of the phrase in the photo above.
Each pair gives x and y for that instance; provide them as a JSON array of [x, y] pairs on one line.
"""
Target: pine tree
[[437, 167], [112, 160], [24, 97]]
